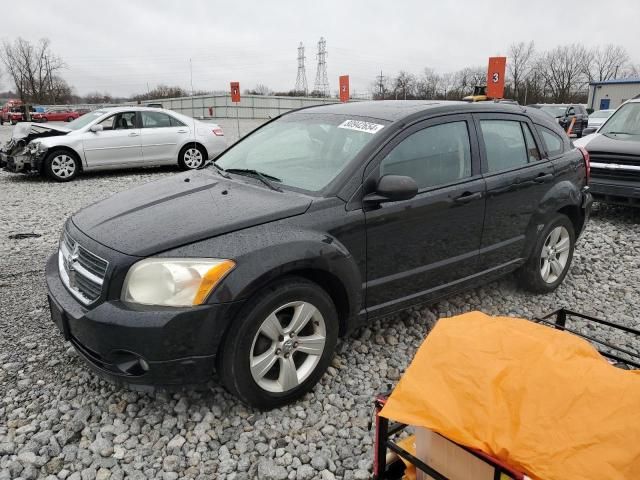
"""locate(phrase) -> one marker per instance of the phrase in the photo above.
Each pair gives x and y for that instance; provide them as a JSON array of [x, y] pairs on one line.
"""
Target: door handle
[[133, 134], [467, 197], [182, 131], [543, 177]]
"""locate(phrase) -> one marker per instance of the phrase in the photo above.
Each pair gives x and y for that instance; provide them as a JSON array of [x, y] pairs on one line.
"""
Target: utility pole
[[381, 85], [301, 79], [322, 81]]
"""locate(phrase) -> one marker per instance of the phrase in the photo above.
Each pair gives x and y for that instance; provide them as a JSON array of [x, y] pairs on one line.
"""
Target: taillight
[[587, 161], [218, 132]]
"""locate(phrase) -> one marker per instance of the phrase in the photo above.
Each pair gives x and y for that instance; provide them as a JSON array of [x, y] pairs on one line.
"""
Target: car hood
[[623, 144], [183, 209]]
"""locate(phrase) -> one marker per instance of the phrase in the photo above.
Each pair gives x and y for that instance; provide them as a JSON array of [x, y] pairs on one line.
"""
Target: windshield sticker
[[361, 126]]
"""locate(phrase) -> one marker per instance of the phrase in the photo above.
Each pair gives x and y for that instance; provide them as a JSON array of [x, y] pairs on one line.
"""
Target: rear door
[[420, 248], [118, 145], [162, 136], [517, 179]]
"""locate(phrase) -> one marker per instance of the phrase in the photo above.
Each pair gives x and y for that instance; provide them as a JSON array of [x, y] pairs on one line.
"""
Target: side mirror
[[96, 128], [589, 130], [393, 188]]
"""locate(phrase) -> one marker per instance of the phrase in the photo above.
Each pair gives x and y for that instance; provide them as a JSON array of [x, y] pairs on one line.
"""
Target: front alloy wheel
[[287, 347], [280, 343], [61, 166]]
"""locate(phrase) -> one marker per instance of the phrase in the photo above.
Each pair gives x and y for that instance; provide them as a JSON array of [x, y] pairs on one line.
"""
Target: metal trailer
[[386, 431]]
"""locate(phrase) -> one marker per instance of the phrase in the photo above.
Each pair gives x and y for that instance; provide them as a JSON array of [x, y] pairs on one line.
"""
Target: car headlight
[[174, 282]]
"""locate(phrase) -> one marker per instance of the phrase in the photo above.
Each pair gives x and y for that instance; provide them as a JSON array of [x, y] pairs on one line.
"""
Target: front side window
[[303, 150], [120, 121], [155, 120], [504, 144], [434, 156]]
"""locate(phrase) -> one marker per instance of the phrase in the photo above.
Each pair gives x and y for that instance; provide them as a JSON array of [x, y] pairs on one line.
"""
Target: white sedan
[[596, 119], [121, 137]]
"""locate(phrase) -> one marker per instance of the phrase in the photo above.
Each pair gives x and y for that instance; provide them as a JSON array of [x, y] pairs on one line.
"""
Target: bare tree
[[261, 89], [519, 62], [32, 68], [562, 71], [428, 84], [631, 71], [404, 85], [161, 91], [606, 62]]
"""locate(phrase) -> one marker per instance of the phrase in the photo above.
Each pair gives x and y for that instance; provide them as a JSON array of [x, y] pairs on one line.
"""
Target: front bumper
[[140, 346], [22, 163], [615, 191]]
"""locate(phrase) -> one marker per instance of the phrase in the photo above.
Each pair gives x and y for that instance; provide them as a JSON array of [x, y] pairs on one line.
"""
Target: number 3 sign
[[495, 77]]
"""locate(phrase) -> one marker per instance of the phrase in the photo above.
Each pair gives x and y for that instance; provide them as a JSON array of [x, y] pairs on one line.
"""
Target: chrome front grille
[[81, 271]]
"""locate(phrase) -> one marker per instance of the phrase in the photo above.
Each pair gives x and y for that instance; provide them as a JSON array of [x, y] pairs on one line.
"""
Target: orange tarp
[[541, 400]]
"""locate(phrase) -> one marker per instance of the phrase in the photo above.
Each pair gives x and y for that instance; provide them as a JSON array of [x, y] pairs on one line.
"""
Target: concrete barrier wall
[[250, 106], [221, 106]]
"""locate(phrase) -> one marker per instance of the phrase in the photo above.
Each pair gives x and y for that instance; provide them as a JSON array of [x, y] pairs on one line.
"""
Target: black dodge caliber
[[306, 229]]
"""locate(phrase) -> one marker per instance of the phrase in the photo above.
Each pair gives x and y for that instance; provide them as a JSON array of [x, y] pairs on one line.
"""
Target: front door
[[517, 179], [421, 248], [161, 137], [117, 145]]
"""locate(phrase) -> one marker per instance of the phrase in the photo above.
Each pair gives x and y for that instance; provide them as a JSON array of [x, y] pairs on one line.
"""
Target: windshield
[[85, 120], [554, 110], [601, 114], [303, 150], [625, 120]]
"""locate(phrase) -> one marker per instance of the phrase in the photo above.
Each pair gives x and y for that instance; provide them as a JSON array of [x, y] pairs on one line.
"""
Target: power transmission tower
[[381, 85], [322, 82], [301, 79]]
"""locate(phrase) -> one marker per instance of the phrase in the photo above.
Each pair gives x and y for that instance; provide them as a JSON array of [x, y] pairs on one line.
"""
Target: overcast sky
[[121, 47]]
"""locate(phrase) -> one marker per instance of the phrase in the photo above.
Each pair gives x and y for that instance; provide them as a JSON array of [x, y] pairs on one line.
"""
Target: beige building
[[612, 93]]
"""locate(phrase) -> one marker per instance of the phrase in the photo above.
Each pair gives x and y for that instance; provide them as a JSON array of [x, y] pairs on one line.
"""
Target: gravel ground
[[58, 420]]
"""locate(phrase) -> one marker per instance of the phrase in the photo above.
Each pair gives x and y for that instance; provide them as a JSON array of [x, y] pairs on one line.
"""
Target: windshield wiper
[[263, 177], [622, 133]]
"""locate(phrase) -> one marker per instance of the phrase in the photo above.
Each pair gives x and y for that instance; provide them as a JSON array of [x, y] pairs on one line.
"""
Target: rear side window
[[175, 122], [553, 141], [434, 156], [532, 150], [155, 120], [504, 144]]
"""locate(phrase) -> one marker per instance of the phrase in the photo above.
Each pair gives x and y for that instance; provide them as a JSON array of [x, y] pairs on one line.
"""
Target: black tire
[[44, 120], [54, 173], [1, 121], [240, 344], [70, 119], [530, 275], [185, 163]]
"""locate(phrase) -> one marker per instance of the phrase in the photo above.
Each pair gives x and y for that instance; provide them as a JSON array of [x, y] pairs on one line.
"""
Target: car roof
[[129, 108], [394, 110]]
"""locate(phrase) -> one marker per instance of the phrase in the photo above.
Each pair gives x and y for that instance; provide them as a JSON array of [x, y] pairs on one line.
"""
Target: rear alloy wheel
[[551, 257], [282, 344], [61, 166], [191, 157]]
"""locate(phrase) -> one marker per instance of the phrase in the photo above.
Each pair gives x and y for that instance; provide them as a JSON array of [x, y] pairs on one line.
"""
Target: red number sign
[[344, 88], [495, 77], [235, 92]]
